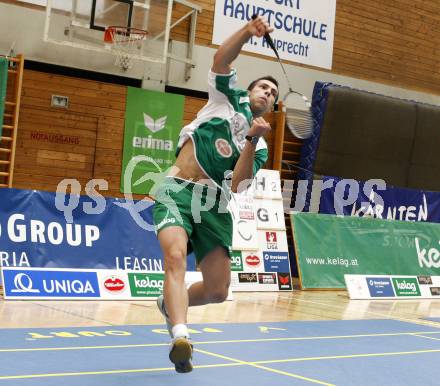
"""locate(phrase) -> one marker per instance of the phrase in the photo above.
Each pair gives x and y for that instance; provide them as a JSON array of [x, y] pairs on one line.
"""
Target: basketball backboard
[[81, 24]]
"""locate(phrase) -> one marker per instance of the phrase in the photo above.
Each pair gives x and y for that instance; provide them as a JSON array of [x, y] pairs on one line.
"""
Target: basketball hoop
[[125, 43]]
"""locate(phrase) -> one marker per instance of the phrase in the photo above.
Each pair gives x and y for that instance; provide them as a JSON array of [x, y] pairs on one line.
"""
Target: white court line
[[426, 337], [224, 341], [258, 366]]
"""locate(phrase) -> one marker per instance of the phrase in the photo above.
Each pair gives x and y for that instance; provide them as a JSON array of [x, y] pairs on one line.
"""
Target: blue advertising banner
[[50, 284], [380, 287], [50, 230], [94, 284], [374, 198]]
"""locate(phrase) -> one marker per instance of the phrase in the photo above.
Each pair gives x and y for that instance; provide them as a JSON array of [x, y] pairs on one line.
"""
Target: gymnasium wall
[[393, 42], [384, 47], [4, 156], [385, 43], [83, 141], [389, 48]]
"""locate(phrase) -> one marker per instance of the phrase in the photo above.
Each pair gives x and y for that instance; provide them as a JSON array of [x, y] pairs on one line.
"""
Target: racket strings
[[299, 116]]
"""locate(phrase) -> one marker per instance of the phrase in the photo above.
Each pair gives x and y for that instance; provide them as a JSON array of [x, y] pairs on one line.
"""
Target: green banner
[[328, 246], [146, 284], [153, 121], [236, 261], [3, 85]]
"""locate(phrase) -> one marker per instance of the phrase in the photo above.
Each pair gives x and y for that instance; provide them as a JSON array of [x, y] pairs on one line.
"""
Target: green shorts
[[199, 209]]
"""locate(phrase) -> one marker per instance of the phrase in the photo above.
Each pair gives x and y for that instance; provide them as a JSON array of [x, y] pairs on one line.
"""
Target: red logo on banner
[[271, 237], [284, 279], [253, 261], [114, 284], [271, 240], [284, 282]]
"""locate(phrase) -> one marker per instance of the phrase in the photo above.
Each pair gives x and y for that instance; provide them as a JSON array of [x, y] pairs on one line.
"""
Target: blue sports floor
[[355, 352], [433, 319]]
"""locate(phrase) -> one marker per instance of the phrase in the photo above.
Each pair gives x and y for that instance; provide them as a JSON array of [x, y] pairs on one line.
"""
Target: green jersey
[[218, 133]]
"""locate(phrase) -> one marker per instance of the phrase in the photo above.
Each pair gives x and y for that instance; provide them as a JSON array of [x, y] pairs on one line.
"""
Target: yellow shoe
[[181, 354]]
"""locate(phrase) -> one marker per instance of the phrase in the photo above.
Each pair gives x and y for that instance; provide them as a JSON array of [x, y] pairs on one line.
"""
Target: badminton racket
[[296, 106]]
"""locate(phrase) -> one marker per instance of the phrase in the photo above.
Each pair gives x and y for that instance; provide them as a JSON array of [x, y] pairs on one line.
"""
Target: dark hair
[[267, 77]]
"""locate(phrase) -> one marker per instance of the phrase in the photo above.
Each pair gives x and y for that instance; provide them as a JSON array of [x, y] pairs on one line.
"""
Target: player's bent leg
[[173, 241], [174, 304], [216, 271]]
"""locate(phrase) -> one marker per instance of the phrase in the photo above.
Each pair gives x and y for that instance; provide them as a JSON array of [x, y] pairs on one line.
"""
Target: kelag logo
[[146, 284], [405, 286], [427, 257], [380, 287], [54, 284], [236, 261]]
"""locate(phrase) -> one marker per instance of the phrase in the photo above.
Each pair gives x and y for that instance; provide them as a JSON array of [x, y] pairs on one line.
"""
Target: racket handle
[[268, 39]]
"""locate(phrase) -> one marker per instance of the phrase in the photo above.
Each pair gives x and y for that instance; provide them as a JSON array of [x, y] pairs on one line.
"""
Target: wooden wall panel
[[393, 42], [84, 141], [55, 143], [6, 132], [191, 108]]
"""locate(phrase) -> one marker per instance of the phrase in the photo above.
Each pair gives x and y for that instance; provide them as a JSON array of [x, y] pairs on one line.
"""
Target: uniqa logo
[[404, 285], [67, 286], [429, 258], [23, 284], [147, 283]]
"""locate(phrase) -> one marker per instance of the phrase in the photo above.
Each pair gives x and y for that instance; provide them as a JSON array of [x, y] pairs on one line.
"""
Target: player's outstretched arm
[[231, 47]]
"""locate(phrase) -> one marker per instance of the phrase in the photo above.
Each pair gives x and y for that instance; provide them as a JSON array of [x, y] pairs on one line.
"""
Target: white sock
[[180, 330]]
